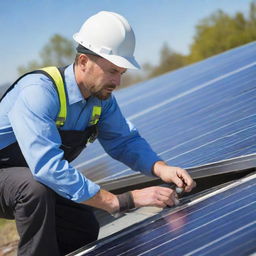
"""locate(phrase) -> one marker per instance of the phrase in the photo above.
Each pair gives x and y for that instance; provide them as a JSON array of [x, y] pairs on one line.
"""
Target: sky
[[27, 25]]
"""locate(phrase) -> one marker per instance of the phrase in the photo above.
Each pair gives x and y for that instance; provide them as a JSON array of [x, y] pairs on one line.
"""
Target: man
[[43, 127]]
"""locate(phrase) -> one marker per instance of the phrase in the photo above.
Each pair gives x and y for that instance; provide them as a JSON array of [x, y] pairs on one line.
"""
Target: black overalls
[[47, 223]]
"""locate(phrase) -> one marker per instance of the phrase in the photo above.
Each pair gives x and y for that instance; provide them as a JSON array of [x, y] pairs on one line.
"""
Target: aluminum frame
[[222, 167]]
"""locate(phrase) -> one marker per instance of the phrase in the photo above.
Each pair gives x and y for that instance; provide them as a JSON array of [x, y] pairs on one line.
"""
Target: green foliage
[[221, 32], [217, 33], [134, 76], [59, 51], [130, 78], [32, 65], [169, 60]]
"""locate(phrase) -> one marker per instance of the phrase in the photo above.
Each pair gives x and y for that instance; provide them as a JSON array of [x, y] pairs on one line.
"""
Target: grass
[[8, 232], [2, 222]]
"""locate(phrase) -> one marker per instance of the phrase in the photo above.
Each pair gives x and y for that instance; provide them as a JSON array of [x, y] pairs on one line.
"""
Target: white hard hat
[[109, 35]]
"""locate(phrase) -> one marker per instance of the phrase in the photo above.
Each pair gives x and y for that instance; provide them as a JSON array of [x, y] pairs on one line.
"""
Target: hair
[[93, 58]]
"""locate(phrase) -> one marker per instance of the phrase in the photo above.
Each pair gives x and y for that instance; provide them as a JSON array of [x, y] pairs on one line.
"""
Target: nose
[[117, 80]]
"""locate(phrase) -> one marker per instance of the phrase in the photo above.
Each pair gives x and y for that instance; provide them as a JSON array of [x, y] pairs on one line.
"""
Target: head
[[106, 46], [97, 76]]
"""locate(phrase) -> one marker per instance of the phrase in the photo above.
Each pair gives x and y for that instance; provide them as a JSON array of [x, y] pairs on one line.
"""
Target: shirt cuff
[[90, 189], [148, 166]]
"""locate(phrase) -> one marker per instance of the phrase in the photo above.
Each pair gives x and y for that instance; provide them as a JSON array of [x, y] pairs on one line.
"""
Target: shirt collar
[[73, 91]]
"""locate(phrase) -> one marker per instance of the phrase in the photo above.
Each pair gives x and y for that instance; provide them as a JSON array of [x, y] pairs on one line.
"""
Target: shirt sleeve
[[33, 121], [121, 140]]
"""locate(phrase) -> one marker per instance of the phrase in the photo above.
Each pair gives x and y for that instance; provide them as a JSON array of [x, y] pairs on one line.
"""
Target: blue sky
[[27, 25]]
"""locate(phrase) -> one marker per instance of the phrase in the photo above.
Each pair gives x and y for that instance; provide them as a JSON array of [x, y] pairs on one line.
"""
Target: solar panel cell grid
[[199, 114], [222, 224]]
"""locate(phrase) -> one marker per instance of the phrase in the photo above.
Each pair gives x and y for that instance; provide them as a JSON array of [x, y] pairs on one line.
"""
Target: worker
[[46, 119]]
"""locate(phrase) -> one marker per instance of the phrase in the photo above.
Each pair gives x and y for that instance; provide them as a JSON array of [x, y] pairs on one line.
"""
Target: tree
[[135, 76], [169, 60], [221, 32], [59, 51]]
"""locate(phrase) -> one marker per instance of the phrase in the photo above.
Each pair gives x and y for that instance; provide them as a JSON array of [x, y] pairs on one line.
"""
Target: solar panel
[[222, 222], [200, 114]]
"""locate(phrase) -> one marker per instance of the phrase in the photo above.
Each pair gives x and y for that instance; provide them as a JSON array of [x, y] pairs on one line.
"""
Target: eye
[[113, 71]]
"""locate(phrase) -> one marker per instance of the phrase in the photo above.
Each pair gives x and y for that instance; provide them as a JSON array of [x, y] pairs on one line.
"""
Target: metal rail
[[222, 167]]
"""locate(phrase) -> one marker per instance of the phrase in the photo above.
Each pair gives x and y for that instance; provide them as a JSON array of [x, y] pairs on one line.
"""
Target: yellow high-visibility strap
[[96, 112], [57, 78]]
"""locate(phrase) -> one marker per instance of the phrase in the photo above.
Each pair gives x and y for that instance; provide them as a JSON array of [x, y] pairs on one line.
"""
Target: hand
[[176, 175], [154, 196]]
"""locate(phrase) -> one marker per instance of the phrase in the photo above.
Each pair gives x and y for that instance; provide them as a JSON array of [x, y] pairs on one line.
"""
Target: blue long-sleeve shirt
[[28, 114]]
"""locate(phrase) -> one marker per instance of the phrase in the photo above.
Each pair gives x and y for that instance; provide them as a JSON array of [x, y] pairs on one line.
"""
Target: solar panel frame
[[211, 169]]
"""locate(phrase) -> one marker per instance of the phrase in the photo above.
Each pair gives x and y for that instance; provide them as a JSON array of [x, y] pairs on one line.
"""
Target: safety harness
[[56, 75], [73, 142]]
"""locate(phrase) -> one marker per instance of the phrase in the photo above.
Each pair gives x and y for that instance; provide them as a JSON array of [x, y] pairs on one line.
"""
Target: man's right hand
[[151, 196], [155, 196]]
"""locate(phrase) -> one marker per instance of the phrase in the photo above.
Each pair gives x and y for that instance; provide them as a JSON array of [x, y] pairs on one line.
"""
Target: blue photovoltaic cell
[[224, 223], [196, 115]]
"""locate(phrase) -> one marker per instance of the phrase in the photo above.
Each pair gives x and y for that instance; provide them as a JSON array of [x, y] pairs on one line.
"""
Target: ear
[[82, 61]]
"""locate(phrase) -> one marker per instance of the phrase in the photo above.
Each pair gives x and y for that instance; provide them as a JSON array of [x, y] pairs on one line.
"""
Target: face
[[100, 78]]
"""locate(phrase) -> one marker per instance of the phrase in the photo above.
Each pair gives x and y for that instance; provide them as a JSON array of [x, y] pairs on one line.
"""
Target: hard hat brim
[[123, 62]]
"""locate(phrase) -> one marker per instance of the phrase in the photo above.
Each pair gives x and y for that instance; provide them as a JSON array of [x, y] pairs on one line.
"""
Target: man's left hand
[[176, 175]]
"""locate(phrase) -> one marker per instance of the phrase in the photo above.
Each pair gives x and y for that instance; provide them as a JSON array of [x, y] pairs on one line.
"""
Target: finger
[[165, 191], [160, 203], [178, 181], [176, 201], [188, 182], [169, 194], [193, 185], [169, 200]]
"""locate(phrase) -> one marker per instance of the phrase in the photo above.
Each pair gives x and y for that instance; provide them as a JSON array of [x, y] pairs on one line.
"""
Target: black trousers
[[47, 223]]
